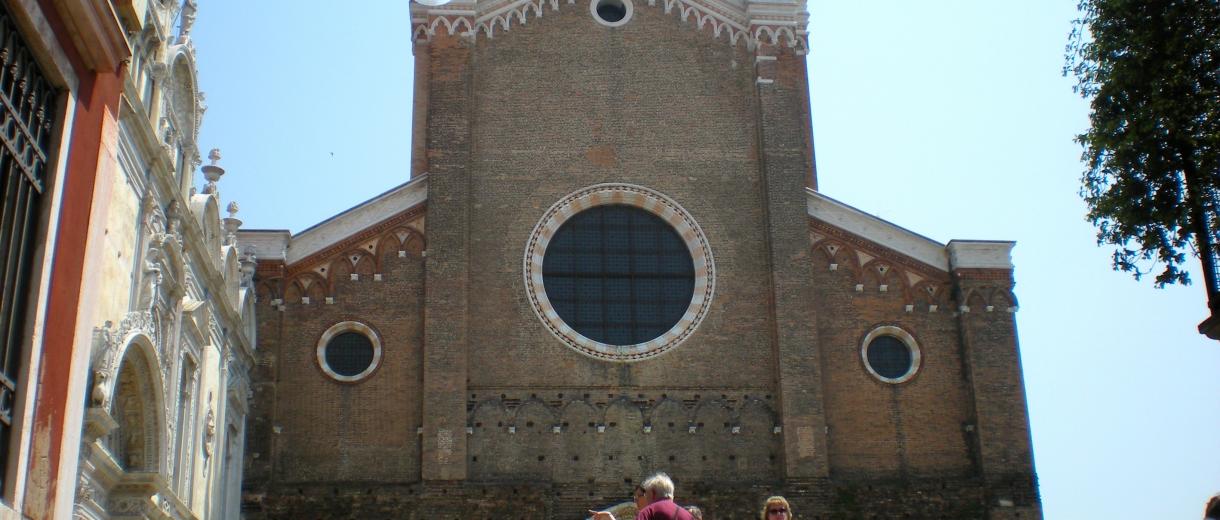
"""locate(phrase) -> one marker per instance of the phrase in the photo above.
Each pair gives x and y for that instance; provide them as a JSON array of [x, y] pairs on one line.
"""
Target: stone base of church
[[819, 498]]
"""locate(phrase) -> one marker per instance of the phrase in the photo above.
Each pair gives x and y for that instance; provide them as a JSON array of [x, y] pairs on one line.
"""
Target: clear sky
[[947, 117]]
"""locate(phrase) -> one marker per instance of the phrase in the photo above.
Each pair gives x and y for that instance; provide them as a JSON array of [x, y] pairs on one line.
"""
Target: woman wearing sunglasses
[[776, 508]]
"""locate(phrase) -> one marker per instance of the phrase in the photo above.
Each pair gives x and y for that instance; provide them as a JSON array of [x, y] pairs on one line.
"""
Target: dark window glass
[[618, 274], [611, 11], [27, 109], [349, 354], [889, 357]]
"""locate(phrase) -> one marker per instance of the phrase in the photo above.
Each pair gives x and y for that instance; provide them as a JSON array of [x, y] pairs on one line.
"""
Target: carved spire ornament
[[213, 172]]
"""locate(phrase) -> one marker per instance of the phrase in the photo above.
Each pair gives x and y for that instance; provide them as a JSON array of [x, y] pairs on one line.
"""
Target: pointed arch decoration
[[719, 22]]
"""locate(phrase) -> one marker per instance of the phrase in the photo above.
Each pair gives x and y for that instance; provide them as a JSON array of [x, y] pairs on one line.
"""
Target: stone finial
[[212, 171], [231, 224], [249, 264]]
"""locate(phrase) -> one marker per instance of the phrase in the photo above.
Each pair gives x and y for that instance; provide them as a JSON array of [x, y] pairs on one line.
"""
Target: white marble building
[[174, 340]]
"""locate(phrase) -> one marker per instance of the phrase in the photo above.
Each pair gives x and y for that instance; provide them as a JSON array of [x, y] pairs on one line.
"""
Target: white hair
[[660, 484]]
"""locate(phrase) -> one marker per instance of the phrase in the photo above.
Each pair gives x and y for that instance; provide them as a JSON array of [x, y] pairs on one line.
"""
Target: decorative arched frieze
[[667, 411], [874, 268], [713, 414], [882, 276], [733, 28], [488, 414], [755, 415], [363, 262], [1004, 298], [407, 240], [533, 414], [269, 291], [623, 413], [307, 285], [988, 298], [930, 293]]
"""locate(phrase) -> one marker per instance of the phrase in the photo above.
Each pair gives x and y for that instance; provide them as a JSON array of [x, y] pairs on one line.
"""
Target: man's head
[[656, 488], [639, 497]]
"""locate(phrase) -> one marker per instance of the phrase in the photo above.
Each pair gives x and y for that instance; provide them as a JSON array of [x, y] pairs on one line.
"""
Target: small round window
[[349, 351], [611, 13], [890, 354]]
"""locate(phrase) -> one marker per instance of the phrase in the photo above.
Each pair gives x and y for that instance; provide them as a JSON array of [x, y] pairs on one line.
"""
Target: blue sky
[[949, 118]]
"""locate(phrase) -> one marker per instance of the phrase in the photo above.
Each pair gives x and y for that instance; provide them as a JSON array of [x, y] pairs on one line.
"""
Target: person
[[776, 508], [695, 512], [655, 499]]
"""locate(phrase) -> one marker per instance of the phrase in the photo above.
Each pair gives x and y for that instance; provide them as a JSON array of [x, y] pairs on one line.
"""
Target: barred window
[[618, 274], [26, 118]]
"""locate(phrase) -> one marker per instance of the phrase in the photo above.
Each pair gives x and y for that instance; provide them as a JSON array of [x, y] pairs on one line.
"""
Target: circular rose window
[[619, 272]]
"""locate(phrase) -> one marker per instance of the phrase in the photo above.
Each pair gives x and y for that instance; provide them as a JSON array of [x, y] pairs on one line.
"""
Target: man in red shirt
[[655, 499]]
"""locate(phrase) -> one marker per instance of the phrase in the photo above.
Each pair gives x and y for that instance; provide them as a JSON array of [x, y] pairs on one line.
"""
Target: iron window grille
[[26, 121]]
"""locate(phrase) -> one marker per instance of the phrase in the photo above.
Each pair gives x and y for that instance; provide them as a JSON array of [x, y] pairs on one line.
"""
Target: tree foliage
[[1151, 70]]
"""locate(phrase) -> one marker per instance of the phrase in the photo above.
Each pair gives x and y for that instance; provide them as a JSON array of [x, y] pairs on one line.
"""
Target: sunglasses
[[779, 511]]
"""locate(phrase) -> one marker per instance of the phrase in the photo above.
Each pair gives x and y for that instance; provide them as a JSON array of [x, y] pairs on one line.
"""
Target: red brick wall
[[562, 103], [364, 431]]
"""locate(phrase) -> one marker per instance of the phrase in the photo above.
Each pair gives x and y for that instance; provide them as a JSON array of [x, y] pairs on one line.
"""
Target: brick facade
[[480, 412]]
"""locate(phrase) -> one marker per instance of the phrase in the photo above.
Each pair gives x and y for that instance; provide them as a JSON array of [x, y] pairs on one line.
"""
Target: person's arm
[[601, 515]]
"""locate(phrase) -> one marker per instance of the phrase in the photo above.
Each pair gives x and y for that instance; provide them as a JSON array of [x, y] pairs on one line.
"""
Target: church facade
[[612, 258]]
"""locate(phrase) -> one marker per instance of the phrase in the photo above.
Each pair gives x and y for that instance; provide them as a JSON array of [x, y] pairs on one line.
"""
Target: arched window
[[133, 444]]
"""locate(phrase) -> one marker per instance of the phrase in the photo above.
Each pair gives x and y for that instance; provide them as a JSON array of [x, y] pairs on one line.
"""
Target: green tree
[[1151, 70]]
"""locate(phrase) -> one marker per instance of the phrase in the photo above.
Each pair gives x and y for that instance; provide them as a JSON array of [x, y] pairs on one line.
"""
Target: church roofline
[[878, 230], [280, 244], [326, 233], [957, 254]]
